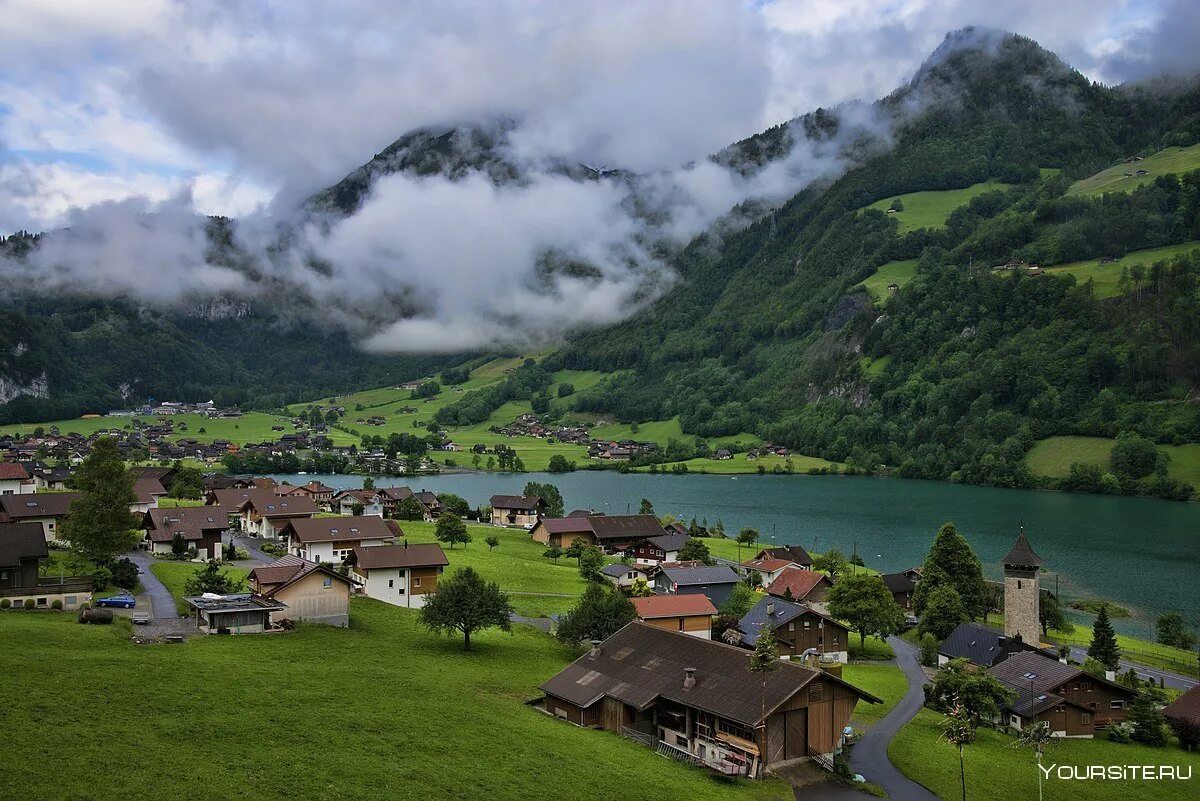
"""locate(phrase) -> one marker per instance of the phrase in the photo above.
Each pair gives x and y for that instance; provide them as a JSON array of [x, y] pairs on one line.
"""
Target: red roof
[[1185, 707], [800, 582], [673, 606], [770, 564], [11, 470]]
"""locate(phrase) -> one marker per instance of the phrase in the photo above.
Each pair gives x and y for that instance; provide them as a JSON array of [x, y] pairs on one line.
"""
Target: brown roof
[[625, 527], [193, 522], [396, 493], [1034, 676], [641, 664], [516, 502], [268, 504], [383, 557], [146, 489], [793, 553], [1185, 707], [21, 541], [770, 564], [10, 471], [1022, 554], [39, 504], [233, 497], [567, 525], [673, 606], [339, 529], [800, 582], [287, 570]]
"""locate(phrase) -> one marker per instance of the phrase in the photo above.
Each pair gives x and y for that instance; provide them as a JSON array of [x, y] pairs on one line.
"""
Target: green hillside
[[1053, 457], [931, 209], [1124, 176], [1107, 274], [894, 272]]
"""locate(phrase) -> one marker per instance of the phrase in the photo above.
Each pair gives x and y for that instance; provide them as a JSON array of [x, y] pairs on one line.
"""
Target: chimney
[[770, 608], [595, 652], [406, 542], [689, 678]]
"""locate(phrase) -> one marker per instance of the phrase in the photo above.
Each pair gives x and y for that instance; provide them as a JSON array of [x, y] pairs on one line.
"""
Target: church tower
[[1022, 591]]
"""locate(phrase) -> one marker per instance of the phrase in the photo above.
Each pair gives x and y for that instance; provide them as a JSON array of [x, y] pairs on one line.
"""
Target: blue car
[[123, 601]]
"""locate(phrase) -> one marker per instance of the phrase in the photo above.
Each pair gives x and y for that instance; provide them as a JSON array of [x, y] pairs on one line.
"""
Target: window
[[72, 600], [416, 582], [1117, 704], [41, 601], [1086, 719], [807, 625], [391, 583], [1014, 720], [328, 582], [681, 624]]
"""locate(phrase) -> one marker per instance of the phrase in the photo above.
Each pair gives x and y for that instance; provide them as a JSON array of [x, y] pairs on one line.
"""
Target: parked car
[[123, 601]]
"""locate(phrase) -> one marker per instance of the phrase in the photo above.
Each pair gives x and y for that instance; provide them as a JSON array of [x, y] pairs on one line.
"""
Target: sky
[[114, 110]]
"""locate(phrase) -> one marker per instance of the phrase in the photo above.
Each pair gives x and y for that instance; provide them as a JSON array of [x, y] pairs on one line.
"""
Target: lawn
[[174, 575], [383, 709], [996, 770], [1170, 160], [883, 681], [932, 209], [894, 272], [1053, 456], [1107, 277]]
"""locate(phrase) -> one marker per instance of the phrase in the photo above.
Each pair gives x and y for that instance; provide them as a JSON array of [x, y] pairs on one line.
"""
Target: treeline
[[477, 405]]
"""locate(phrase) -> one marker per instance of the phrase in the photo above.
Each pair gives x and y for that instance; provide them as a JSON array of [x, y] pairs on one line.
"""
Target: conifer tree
[[1104, 648]]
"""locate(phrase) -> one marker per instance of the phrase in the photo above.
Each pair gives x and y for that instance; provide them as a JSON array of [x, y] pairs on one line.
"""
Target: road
[[1166, 677], [869, 756], [161, 602]]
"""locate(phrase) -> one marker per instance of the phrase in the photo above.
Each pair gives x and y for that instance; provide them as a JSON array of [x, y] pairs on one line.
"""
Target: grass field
[[174, 575], [932, 209], [383, 709], [250, 427], [894, 272], [1170, 160], [740, 465], [1107, 277], [874, 367], [882, 681], [998, 771], [1053, 456]]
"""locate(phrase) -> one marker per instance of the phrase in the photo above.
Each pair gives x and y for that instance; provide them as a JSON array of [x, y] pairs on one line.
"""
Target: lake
[[1143, 554]]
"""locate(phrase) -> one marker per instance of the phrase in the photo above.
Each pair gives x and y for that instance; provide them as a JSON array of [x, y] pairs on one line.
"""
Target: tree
[[178, 544], [455, 504], [993, 599], [1051, 615], [695, 550], [980, 693], [747, 536], [958, 730], [559, 464], [1171, 629], [929, 653], [100, 525], [492, 541], [764, 660], [740, 601], [1037, 736], [1149, 725], [864, 602], [125, 574], [554, 553], [549, 495], [645, 507], [451, 529], [187, 483], [566, 390], [575, 549], [466, 603], [600, 613], [357, 509], [640, 588], [959, 566], [368, 483], [591, 561], [211, 578], [943, 612], [410, 509], [1104, 648], [831, 562]]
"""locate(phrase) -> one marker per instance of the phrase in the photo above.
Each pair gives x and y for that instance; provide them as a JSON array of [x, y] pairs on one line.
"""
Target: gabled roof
[[656, 606], [1022, 554], [769, 564], [781, 612], [1034, 677], [39, 504], [793, 553], [268, 504], [981, 645], [12, 471], [21, 541], [641, 664], [515, 502], [287, 570], [800, 582], [690, 576], [617, 570], [1185, 707], [396, 493], [625, 527], [898, 582], [342, 528], [193, 522], [567, 525], [147, 489], [385, 557], [671, 541]]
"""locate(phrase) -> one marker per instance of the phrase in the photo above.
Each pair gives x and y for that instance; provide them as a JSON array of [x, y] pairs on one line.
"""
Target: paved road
[[163, 605], [1167, 677], [254, 546], [869, 756]]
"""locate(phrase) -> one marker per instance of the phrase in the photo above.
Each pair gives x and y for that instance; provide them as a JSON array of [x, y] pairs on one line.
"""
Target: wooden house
[[516, 511], [689, 614], [310, 591], [200, 527], [799, 629], [1074, 703]]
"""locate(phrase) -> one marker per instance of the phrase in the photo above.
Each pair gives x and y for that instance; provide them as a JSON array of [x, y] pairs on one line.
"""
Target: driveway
[[161, 602], [253, 546], [869, 756]]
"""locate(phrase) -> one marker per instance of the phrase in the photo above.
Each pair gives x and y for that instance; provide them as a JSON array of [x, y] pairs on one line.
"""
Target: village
[[746, 667]]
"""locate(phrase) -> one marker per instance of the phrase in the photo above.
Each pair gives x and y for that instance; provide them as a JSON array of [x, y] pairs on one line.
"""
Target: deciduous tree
[[100, 525], [865, 603], [466, 603], [599, 614], [450, 530]]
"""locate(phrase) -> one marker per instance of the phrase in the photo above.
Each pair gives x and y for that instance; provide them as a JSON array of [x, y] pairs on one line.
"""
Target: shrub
[[5, 603], [1120, 732], [125, 574], [56, 604], [29, 603], [101, 577], [929, 654]]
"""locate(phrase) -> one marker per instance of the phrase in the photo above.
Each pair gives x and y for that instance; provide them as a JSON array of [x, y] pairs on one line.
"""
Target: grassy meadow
[[1053, 456], [894, 272], [1107, 277], [1169, 160], [932, 209], [882, 681], [383, 709]]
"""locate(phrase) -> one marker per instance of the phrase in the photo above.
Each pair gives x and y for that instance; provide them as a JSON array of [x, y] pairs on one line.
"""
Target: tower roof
[[1022, 554]]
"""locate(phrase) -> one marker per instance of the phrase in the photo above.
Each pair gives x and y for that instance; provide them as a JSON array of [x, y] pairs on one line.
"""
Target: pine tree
[[1147, 720], [100, 526], [1104, 648]]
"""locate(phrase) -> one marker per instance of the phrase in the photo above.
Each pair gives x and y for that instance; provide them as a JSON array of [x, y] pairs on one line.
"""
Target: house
[[1074, 703], [623, 575], [22, 548], [163, 475], [1184, 711], [612, 533], [980, 645], [517, 510], [310, 591], [656, 550], [402, 575], [715, 582], [689, 614], [768, 568], [332, 539], [901, 586], [201, 527], [148, 491], [238, 613], [562, 531], [317, 491], [15, 479], [696, 700], [802, 586], [392, 497], [800, 629], [51, 478], [346, 501], [265, 514], [48, 509], [796, 554]]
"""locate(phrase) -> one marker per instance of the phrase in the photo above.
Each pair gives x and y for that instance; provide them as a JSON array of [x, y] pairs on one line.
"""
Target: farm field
[[932, 209], [1052, 457], [112, 700], [250, 427], [894, 272], [740, 465], [998, 771], [1169, 160], [1107, 277]]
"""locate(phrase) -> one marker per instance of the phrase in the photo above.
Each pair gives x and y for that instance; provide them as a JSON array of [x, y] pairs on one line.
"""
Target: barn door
[[775, 739], [796, 733]]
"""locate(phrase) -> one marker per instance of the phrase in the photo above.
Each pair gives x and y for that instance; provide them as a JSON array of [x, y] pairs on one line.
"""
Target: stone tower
[[1022, 591]]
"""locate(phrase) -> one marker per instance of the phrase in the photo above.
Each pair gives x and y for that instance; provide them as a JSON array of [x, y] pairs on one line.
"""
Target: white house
[[625, 575], [402, 575], [14, 479], [371, 501], [768, 568], [332, 539], [265, 514], [148, 491], [48, 509]]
